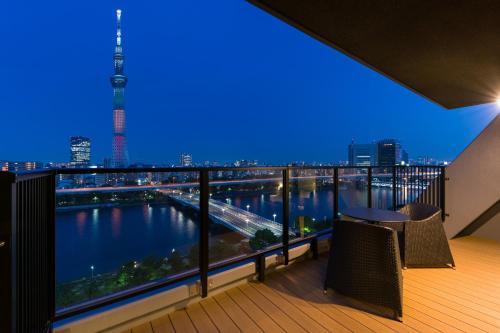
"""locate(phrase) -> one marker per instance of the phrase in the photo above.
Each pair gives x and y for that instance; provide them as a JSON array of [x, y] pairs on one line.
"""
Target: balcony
[[224, 276], [245, 249], [292, 300]]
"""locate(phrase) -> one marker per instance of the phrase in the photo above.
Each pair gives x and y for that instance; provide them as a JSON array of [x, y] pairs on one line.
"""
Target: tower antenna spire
[[118, 27]]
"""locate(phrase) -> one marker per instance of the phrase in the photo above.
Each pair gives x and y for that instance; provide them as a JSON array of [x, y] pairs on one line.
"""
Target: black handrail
[[31, 199]]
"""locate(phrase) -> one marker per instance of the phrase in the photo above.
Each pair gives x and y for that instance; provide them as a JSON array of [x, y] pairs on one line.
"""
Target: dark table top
[[375, 215]]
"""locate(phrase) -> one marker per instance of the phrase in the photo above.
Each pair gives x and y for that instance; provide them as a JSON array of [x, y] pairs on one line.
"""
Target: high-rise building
[[120, 157], [186, 160], [79, 148], [362, 154], [390, 152]]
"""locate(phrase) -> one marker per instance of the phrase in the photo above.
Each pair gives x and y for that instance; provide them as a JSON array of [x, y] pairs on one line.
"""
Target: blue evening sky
[[222, 80]]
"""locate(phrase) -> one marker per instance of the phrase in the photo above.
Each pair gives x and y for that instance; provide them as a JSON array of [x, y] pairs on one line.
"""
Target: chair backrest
[[419, 211], [365, 263]]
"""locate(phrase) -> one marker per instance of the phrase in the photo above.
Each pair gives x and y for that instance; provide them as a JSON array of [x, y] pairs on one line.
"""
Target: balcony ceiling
[[447, 51]]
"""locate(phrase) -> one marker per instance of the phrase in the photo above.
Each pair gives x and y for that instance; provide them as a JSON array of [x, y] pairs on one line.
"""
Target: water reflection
[[95, 216], [116, 221], [81, 219]]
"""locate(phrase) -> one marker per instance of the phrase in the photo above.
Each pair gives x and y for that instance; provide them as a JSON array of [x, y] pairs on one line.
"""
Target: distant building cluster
[[16, 166], [387, 152]]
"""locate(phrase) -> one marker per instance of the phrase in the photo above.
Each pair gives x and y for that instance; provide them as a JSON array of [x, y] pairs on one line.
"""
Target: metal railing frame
[[434, 194]]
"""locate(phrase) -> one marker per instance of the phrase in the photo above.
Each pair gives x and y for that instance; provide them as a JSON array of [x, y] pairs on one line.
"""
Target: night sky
[[222, 80]]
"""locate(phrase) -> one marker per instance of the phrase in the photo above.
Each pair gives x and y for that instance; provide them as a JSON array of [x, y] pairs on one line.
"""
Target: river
[[107, 237]]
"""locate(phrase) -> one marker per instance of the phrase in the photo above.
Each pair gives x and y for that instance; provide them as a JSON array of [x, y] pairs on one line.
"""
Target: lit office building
[[186, 160], [79, 152], [390, 152], [364, 154]]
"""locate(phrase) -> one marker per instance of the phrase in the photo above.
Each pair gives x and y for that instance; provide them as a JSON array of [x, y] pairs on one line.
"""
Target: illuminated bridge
[[234, 218]]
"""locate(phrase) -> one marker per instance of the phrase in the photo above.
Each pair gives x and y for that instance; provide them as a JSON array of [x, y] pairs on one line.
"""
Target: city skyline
[[251, 87]]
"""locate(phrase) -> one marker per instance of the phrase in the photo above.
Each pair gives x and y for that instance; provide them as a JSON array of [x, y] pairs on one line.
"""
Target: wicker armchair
[[425, 242], [365, 265]]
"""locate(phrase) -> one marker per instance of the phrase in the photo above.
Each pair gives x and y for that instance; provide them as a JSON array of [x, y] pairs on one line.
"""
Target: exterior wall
[[490, 230], [474, 180]]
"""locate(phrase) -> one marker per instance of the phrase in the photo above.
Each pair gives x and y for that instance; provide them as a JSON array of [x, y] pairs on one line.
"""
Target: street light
[[92, 271], [274, 217], [248, 207]]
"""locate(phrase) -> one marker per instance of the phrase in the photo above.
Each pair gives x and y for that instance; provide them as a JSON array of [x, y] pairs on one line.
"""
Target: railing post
[[335, 193], [51, 240], [286, 208], [442, 197], [261, 267], [7, 253], [369, 187], [314, 247], [394, 190], [204, 225]]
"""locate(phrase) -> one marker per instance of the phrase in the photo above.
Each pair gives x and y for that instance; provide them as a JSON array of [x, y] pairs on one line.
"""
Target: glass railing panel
[[245, 212], [382, 188], [353, 187], [311, 200], [118, 231]]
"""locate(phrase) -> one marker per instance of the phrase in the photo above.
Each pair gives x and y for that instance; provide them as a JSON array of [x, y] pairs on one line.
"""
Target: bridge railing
[[172, 225]]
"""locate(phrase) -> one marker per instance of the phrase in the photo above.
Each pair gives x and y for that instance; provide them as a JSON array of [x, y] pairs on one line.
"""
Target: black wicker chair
[[425, 242], [365, 265]]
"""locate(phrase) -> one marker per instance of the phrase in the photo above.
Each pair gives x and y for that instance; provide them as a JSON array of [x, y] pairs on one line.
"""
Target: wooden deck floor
[[435, 300]]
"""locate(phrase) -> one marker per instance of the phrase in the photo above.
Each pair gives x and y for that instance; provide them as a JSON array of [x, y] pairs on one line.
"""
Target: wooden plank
[[304, 306], [417, 325], [454, 302], [239, 317], [181, 322], [428, 320], [254, 312], [452, 290], [200, 319], [280, 317], [460, 286], [324, 304], [162, 325], [383, 322], [479, 244], [443, 316], [289, 308], [220, 319], [453, 312], [486, 256], [144, 328]]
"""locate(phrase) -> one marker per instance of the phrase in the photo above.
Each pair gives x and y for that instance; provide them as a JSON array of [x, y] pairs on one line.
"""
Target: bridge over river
[[234, 218]]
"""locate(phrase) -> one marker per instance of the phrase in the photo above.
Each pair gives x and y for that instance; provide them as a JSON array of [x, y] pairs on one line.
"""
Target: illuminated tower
[[119, 81]]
